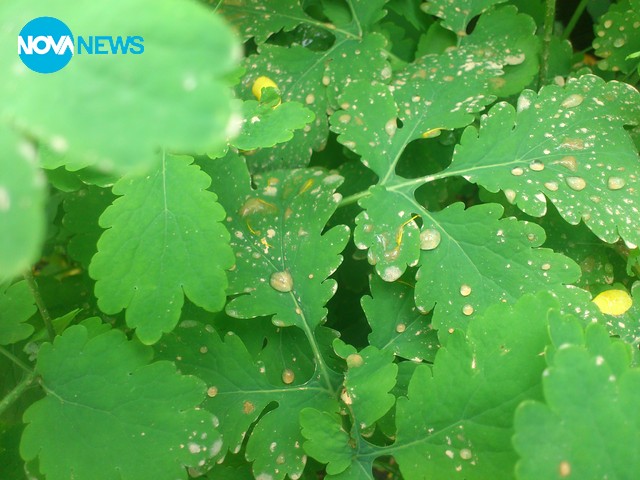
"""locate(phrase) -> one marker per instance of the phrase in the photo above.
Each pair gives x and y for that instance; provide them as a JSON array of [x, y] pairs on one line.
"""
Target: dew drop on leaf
[[510, 195], [576, 183], [465, 454], [212, 391], [536, 166], [429, 239], [569, 162], [564, 469], [354, 360], [616, 183], [288, 376], [467, 309], [517, 171], [572, 100], [553, 186], [390, 127], [401, 327], [465, 290], [281, 281]]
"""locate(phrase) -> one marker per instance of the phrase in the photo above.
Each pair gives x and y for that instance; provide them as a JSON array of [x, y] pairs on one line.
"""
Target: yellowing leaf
[[613, 302], [260, 83]]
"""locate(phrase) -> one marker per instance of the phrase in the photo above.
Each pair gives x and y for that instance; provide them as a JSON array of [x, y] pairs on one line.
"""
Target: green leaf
[[267, 123], [22, 198], [469, 259], [115, 111], [457, 418], [618, 36], [457, 16], [164, 239], [435, 92], [567, 145], [103, 395], [82, 211], [371, 374], [327, 441], [259, 19], [283, 258], [507, 38], [313, 79], [588, 426], [238, 393], [16, 307], [396, 324]]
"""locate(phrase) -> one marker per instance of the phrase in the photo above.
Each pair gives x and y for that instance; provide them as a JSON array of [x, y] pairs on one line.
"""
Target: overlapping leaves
[[588, 425], [457, 417], [16, 306], [238, 393], [456, 18]]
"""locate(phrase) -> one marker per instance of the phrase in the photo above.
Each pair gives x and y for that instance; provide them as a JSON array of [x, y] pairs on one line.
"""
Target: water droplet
[[344, 118], [546, 266], [401, 327], [553, 186], [618, 42], [354, 360], [564, 468], [536, 166], [429, 239], [212, 391], [616, 183], [288, 376], [572, 100], [465, 290], [310, 99], [467, 309], [281, 281], [465, 454], [391, 274], [569, 162], [576, 183], [390, 127], [510, 194], [517, 171]]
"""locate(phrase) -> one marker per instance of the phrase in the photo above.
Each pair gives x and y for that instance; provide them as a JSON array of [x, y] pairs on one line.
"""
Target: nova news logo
[[46, 45]]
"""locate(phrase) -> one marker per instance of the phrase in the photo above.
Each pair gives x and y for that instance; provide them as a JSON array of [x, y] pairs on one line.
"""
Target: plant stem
[[354, 198], [16, 360], [574, 19], [549, 19], [44, 313], [14, 394]]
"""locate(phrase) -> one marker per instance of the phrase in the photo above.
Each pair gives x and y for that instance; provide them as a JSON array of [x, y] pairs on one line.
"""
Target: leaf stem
[[549, 19], [574, 19], [16, 360], [354, 198], [14, 394], [44, 313]]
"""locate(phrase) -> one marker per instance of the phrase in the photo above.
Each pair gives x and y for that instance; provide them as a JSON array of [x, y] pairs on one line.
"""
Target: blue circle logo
[[45, 45]]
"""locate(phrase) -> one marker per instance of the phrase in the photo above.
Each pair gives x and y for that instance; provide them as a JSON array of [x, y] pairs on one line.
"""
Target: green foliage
[[193, 304]]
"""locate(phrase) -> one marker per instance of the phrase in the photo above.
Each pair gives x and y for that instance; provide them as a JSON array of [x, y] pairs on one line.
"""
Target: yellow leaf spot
[[259, 84], [613, 302]]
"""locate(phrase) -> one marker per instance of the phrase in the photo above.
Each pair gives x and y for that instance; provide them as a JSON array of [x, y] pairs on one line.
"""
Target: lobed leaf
[[456, 17], [618, 36], [588, 426], [16, 307], [566, 144], [238, 393], [164, 239], [143, 99], [102, 394], [396, 324], [267, 123], [283, 258]]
